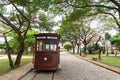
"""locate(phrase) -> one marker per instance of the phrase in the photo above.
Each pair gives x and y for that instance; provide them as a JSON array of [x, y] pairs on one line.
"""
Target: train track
[[38, 75]]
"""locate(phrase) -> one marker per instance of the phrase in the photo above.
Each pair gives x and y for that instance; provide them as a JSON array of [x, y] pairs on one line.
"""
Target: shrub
[[93, 48], [68, 47]]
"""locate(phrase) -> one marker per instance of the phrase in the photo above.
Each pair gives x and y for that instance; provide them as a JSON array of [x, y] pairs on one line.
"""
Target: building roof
[[95, 38]]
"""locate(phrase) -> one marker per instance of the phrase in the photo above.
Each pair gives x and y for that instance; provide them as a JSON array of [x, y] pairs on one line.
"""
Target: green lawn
[[109, 60], [4, 64]]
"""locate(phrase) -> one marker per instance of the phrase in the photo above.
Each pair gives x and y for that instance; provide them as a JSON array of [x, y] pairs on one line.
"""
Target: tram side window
[[53, 45], [46, 45], [39, 45]]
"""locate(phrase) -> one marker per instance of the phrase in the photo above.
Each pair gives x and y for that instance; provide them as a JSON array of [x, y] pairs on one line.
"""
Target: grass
[[4, 64], [109, 60], [28, 54]]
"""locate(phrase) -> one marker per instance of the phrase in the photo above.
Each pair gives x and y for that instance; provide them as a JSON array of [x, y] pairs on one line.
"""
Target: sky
[[56, 19], [9, 8], [2, 40], [96, 24]]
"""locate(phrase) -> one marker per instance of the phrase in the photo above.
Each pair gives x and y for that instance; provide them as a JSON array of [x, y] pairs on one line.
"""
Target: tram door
[[46, 51]]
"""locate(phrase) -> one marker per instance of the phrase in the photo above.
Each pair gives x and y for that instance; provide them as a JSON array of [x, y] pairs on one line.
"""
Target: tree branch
[[23, 17], [10, 24], [116, 3], [5, 4], [19, 10], [4, 22], [112, 16], [27, 29], [108, 7], [7, 31], [20, 22]]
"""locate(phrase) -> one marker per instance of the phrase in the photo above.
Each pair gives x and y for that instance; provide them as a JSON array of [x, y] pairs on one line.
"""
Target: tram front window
[[46, 45]]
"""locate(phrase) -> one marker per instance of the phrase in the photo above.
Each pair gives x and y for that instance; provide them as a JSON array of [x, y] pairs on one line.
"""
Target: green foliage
[[31, 9], [68, 46], [76, 14], [45, 23], [92, 48], [29, 41], [2, 46], [107, 36], [14, 44], [34, 4], [115, 40]]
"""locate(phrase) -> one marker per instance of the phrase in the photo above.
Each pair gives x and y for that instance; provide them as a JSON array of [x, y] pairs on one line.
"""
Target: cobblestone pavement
[[73, 68], [43, 75], [76, 69]]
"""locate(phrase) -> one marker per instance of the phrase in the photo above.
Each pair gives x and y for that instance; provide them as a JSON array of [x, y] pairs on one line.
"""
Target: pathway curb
[[114, 69]]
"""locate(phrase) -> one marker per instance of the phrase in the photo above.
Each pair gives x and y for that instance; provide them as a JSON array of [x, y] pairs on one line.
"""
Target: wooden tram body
[[47, 56]]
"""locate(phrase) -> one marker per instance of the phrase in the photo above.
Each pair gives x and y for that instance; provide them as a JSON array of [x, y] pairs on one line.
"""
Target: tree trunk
[[20, 52], [116, 53], [112, 51], [85, 53], [26, 50], [104, 50], [73, 46], [107, 53], [99, 54], [73, 50], [78, 50], [8, 52], [32, 49]]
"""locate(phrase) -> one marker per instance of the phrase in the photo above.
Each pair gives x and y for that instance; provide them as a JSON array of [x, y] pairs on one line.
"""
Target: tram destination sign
[[48, 37]]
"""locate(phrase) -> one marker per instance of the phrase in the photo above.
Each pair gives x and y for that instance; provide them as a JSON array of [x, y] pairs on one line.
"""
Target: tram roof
[[47, 34]]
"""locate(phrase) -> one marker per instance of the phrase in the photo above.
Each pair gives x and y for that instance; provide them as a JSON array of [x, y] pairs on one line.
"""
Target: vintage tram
[[47, 56]]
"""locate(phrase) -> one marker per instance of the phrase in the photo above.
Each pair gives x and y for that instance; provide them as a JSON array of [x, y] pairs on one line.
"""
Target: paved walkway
[[114, 69], [16, 73], [76, 69], [73, 68]]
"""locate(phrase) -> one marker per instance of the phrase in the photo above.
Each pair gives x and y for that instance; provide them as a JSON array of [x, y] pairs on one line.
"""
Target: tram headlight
[[45, 58]]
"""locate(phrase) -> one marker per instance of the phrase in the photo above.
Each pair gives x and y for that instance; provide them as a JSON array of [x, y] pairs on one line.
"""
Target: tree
[[107, 36], [24, 21], [68, 47], [76, 28], [107, 42], [29, 41], [20, 20], [87, 34], [109, 7], [115, 40]]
